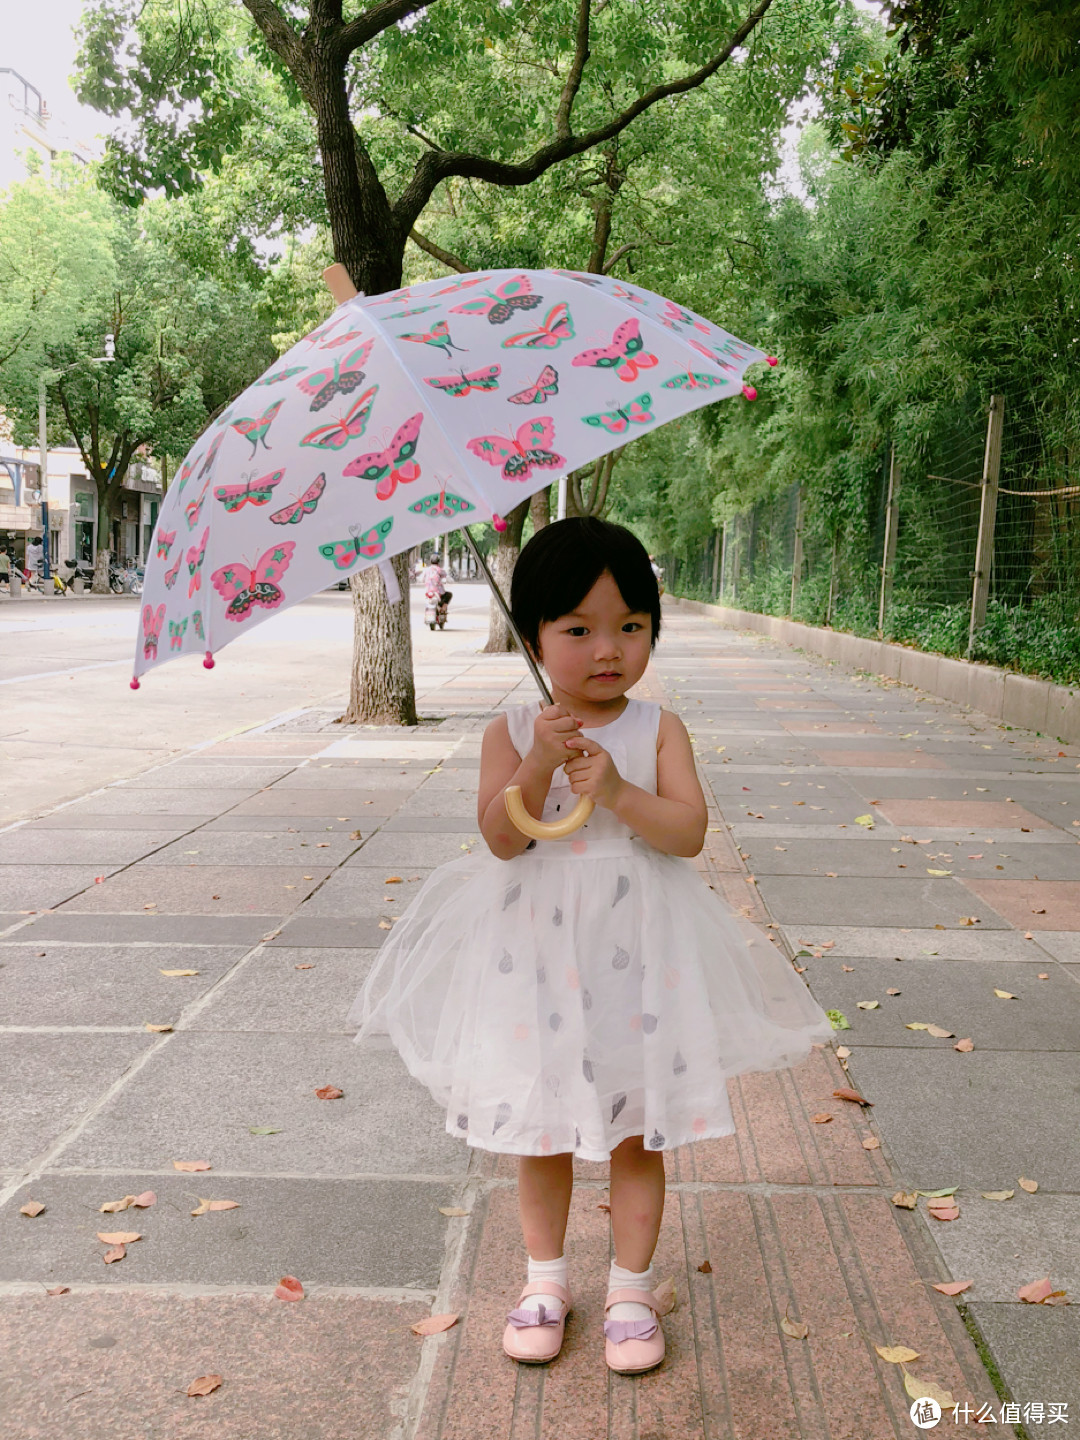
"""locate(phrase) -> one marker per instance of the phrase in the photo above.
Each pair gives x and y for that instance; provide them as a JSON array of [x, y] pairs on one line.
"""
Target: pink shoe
[[537, 1337], [633, 1345]]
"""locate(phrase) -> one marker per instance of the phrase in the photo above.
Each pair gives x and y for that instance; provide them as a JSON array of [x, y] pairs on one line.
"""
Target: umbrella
[[405, 415]]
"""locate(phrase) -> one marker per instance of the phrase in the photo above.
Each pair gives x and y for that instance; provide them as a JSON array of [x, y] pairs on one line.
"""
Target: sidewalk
[[201, 872]]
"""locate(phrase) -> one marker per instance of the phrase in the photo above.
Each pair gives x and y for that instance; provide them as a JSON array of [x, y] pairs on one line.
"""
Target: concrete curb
[[1019, 700]]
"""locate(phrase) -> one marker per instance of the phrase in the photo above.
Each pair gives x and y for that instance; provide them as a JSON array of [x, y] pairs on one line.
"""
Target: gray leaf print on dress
[[679, 1064], [502, 1115], [552, 1083], [656, 1141], [586, 1068], [620, 1101], [511, 895], [463, 1122], [621, 960], [577, 1138], [556, 919], [554, 1021], [649, 1023], [506, 964], [586, 1000], [541, 975], [621, 887]]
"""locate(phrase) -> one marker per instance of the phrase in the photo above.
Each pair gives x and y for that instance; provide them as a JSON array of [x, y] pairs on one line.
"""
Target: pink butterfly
[[193, 509], [462, 383], [619, 420], [304, 504], [341, 339], [547, 384], [709, 355], [500, 304], [152, 621], [211, 456], [342, 377], [338, 433], [393, 464], [165, 539], [174, 570], [519, 454], [621, 293], [675, 318], [461, 285], [556, 326], [370, 543], [194, 561], [626, 354], [251, 492], [244, 586], [185, 474]]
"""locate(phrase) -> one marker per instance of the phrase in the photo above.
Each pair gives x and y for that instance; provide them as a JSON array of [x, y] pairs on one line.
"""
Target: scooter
[[435, 610]]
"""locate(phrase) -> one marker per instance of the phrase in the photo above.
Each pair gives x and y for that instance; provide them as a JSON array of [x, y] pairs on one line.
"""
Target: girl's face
[[601, 649]]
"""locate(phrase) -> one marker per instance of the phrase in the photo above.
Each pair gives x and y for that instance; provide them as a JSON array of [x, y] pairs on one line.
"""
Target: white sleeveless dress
[[589, 989]]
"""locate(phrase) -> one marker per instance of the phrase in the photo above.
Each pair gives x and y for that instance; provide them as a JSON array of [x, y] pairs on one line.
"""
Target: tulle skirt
[[558, 1002]]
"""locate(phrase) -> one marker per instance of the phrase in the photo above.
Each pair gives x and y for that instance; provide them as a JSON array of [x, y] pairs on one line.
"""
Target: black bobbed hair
[[564, 560]]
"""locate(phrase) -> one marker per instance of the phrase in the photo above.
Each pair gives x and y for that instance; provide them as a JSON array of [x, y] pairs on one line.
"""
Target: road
[[69, 722]]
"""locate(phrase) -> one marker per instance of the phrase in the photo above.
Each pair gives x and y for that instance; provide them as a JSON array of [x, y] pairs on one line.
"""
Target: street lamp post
[[43, 448]]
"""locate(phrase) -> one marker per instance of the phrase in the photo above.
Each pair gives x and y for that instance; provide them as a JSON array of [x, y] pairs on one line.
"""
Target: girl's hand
[[596, 775], [552, 728]]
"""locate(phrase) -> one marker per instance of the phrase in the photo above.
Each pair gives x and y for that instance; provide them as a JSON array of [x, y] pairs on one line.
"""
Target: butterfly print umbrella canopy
[[405, 415]]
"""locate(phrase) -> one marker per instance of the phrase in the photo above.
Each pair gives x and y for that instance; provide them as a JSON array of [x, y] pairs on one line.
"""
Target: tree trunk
[[540, 509], [502, 565], [100, 584], [382, 690]]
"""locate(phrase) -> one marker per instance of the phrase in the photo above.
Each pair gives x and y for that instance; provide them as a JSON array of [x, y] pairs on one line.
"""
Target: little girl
[[586, 996]]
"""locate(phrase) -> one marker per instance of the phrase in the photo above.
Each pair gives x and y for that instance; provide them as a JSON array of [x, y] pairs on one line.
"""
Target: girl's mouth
[[608, 675]]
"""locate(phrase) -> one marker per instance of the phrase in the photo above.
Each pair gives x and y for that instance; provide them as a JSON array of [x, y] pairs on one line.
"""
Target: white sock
[[620, 1279], [554, 1270]]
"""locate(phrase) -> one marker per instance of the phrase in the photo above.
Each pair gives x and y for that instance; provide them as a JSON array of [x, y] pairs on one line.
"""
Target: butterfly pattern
[[362, 376]]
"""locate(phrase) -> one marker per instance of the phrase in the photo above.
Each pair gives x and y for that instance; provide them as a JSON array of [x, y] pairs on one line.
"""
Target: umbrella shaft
[[482, 563]]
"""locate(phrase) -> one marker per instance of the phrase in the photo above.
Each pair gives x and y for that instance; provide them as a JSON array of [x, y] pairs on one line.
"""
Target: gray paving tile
[[431, 824], [952, 1119], [851, 900], [445, 805], [204, 889], [416, 849], [40, 887], [325, 825], [1003, 1244], [257, 848], [48, 1081], [968, 943], [206, 777], [358, 892], [957, 995], [885, 857], [271, 993], [56, 984], [344, 932], [1035, 1347], [68, 817], [391, 777], [329, 1232], [151, 929], [281, 803], [117, 800], [29, 846], [198, 1096], [1062, 944]]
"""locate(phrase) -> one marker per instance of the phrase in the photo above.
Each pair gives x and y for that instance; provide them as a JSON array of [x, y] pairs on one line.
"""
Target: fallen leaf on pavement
[[329, 1092], [204, 1385], [937, 1194], [33, 1208], [940, 1032], [452, 1210], [892, 992], [848, 968], [205, 1205], [905, 1200], [289, 1288], [964, 1046], [263, 1130], [1029, 1185], [119, 1237], [1005, 994], [145, 1200], [838, 1020], [1042, 975], [303, 967], [190, 1166], [867, 1004], [938, 872], [705, 1268], [179, 972], [997, 1194], [384, 925], [1037, 1291], [916, 1025], [920, 1389], [871, 1143], [433, 1324], [797, 1329], [664, 1295], [158, 1029], [842, 1052], [852, 1095], [945, 1212], [821, 1119], [952, 1287], [393, 880], [116, 1253], [867, 820], [59, 1290], [896, 1354], [969, 920], [113, 1207]]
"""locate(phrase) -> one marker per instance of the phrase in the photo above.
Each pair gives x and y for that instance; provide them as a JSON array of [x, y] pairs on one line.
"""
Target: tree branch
[[280, 35], [438, 253], [413, 130], [577, 68], [622, 250], [372, 22], [436, 166]]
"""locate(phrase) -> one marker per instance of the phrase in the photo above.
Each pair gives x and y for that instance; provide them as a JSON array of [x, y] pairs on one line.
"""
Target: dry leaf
[[849, 968], [1005, 994], [871, 1143], [664, 1294], [206, 1205], [938, 872], [821, 1119], [158, 1029], [705, 1268], [33, 1208], [289, 1288], [897, 1354], [113, 1207], [59, 1290], [452, 1210], [964, 1046], [905, 1200], [867, 1004], [190, 1166], [178, 972], [940, 1032], [953, 1287], [797, 1329], [116, 1253], [1057, 1297], [204, 1385], [944, 1212], [969, 920], [145, 1200], [852, 1095], [433, 1324], [303, 967], [892, 992], [392, 880], [384, 925], [997, 1194], [916, 1025], [1037, 1291], [119, 1237], [842, 1052], [329, 1092], [1042, 975], [920, 1389], [1029, 1185]]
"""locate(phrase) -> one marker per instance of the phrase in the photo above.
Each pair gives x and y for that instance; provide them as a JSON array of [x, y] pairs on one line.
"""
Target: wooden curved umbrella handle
[[545, 829]]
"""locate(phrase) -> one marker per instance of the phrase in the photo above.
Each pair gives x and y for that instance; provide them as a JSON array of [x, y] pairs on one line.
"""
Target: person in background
[[35, 558], [5, 567], [656, 570]]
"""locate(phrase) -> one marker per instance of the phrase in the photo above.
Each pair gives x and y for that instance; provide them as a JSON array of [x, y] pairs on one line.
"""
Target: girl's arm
[[500, 765], [674, 820]]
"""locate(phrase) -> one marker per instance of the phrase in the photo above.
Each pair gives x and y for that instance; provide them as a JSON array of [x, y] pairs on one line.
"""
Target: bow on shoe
[[541, 1316], [619, 1330]]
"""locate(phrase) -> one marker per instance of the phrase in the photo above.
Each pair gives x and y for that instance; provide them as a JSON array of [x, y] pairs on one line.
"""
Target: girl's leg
[[545, 1184], [637, 1202]]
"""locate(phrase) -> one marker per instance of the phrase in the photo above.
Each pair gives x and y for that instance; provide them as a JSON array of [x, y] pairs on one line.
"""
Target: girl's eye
[[632, 625], [576, 630]]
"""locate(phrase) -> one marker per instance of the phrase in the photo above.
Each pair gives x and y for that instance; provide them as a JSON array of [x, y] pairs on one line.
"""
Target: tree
[[374, 83]]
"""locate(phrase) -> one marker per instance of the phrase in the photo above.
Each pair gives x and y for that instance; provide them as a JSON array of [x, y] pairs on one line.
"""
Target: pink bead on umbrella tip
[[208, 661], [771, 360], [134, 682], [499, 523], [749, 392]]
